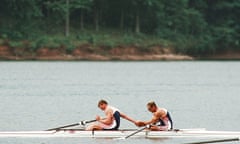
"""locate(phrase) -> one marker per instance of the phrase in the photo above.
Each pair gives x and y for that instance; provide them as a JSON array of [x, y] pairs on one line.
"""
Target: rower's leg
[[94, 127], [158, 128]]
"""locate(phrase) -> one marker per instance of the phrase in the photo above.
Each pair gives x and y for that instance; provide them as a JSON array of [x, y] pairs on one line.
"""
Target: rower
[[161, 120], [112, 119]]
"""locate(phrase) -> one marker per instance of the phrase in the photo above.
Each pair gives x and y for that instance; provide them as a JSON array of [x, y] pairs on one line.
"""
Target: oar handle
[[86, 122], [90, 121]]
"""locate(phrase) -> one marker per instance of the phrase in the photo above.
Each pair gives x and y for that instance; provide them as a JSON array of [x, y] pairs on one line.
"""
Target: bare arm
[[154, 119], [127, 117], [144, 123], [107, 120]]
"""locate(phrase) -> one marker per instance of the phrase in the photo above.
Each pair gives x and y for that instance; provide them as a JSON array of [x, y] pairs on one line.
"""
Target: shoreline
[[87, 52], [95, 57], [129, 53]]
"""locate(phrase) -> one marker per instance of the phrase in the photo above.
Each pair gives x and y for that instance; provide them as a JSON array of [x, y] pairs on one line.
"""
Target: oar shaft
[[139, 130], [71, 125], [216, 141], [135, 132]]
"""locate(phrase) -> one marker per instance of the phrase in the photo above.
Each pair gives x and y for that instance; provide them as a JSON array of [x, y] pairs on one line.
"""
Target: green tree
[[223, 17], [117, 12], [19, 17], [82, 5], [63, 8], [97, 9], [66, 7], [140, 10]]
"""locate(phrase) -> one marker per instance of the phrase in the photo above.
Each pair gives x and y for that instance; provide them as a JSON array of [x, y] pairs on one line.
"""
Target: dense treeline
[[193, 26]]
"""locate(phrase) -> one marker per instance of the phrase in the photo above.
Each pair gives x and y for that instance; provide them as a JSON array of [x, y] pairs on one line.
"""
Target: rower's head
[[152, 107], [102, 104]]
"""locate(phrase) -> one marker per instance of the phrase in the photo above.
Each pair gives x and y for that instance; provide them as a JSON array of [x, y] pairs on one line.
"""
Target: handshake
[[139, 123]]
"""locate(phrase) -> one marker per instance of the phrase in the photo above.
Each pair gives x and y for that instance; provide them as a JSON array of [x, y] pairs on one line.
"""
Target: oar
[[216, 141], [71, 125], [132, 134], [86, 122]]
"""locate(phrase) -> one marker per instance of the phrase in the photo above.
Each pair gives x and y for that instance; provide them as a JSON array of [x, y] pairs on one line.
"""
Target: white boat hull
[[121, 133]]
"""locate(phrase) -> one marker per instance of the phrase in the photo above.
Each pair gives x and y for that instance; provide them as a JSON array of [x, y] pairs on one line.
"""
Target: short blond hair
[[151, 104]]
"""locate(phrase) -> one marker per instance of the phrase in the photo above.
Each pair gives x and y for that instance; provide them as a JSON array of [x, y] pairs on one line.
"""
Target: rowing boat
[[121, 133]]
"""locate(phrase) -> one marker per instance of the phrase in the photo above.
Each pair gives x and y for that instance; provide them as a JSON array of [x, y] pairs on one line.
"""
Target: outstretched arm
[[127, 118], [144, 123], [155, 118]]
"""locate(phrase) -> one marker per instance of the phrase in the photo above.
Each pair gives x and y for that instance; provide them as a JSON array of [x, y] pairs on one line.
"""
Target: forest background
[[197, 28]]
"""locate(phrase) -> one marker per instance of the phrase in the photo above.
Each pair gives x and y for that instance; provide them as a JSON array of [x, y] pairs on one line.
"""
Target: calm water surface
[[42, 95]]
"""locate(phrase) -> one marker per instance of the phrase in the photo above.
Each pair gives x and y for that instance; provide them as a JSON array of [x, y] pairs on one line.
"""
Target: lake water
[[42, 95]]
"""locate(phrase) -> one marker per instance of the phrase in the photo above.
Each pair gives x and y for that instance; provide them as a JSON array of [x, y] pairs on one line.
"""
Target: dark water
[[42, 95]]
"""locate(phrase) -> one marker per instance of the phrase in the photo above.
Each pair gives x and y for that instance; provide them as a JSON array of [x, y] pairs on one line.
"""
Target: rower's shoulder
[[109, 109], [162, 111]]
